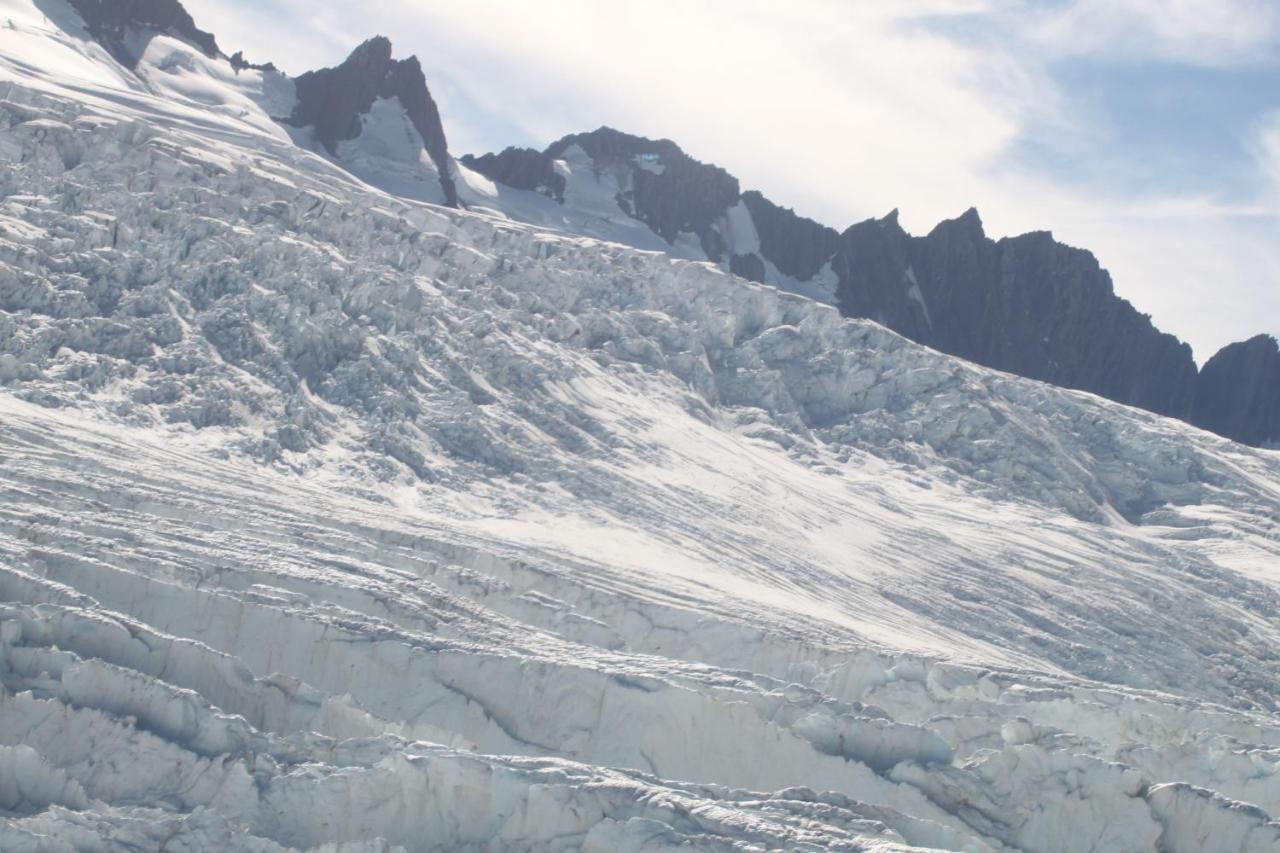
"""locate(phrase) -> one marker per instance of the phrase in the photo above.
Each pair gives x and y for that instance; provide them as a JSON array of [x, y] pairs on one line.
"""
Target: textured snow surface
[[337, 521]]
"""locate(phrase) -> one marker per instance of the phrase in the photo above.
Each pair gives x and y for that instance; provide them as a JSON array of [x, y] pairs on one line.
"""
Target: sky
[[1147, 131]]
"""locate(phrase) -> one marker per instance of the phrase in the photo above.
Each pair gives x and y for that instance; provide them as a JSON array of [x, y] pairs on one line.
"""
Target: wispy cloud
[[1216, 33], [1267, 151], [1045, 115]]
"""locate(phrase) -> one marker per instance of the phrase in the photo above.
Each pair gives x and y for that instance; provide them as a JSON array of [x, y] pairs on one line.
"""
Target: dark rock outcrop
[[670, 191], [239, 63], [521, 168], [797, 246], [1238, 392], [109, 22], [873, 267], [332, 101], [673, 193], [1027, 305]]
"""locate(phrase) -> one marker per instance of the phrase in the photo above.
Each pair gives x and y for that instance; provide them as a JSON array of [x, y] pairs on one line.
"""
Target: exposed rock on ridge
[[332, 100], [1238, 392], [108, 21], [797, 246], [521, 168], [675, 194], [239, 63], [1028, 305]]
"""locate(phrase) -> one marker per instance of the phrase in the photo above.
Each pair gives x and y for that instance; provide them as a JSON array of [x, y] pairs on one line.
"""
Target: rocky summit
[[1026, 304], [333, 102], [1238, 392]]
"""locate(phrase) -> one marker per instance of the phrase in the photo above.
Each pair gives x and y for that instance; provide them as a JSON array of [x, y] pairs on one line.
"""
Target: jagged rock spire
[[332, 100]]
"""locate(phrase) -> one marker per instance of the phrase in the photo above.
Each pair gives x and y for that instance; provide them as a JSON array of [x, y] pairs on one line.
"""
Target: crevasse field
[[334, 520]]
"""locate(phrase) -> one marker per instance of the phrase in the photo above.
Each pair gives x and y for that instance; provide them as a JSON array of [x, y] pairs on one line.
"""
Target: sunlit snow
[[336, 520]]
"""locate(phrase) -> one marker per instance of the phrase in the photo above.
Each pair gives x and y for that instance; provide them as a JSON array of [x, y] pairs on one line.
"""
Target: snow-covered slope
[[334, 520]]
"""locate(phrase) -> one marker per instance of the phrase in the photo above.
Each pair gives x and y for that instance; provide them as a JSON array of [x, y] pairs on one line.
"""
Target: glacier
[[337, 520]]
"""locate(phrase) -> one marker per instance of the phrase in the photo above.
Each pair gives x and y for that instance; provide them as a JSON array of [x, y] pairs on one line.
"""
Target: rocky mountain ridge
[[1028, 304], [333, 101]]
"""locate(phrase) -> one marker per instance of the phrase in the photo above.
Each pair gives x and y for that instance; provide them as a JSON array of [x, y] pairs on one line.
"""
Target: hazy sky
[[1147, 131]]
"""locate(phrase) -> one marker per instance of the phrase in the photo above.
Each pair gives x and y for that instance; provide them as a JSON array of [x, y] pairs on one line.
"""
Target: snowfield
[[334, 520]]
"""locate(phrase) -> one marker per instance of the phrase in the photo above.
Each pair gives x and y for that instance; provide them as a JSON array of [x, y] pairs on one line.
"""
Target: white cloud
[[262, 32]]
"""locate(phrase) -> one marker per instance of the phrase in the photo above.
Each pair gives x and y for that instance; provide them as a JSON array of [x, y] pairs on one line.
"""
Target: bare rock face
[[520, 168], [797, 246], [1028, 305], [1238, 392], [109, 21], [331, 101], [673, 193], [670, 191], [874, 271], [239, 63]]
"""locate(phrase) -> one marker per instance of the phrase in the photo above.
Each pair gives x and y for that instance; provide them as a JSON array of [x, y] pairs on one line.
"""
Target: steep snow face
[[45, 45], [389, 153], [51, 40], [174, 70], [334, 518]]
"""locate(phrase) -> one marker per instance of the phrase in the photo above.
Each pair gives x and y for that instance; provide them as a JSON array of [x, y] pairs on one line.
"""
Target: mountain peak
[[373, 54], [1262, 343], [610, 144], [970, 218], [665, 188], [333, 102], [1238, 392]]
